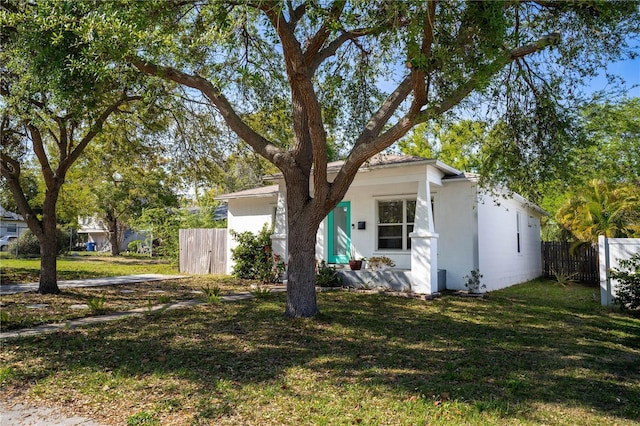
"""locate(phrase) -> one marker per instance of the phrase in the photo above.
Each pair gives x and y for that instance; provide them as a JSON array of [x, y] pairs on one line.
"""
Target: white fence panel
[[611, 252]]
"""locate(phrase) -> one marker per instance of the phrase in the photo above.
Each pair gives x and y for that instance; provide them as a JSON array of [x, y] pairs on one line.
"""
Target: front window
[[395, 223]]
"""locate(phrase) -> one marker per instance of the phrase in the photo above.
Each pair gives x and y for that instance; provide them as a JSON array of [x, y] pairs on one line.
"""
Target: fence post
[[604, 264]]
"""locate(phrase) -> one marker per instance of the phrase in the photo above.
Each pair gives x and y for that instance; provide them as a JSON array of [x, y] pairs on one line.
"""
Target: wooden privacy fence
[[581, 263], [203, 251]]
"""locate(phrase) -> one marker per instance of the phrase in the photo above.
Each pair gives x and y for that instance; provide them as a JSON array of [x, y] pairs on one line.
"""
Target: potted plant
[[380, 263], [354, 263]]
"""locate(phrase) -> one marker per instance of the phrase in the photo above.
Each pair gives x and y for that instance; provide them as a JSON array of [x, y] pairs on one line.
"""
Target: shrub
[[96, 304], [28, 244], [628, 290], [379, 262], [564, 278], [473, 281], [212, 296], [135, 246], [254, 258], [327, 276], [261, 292]]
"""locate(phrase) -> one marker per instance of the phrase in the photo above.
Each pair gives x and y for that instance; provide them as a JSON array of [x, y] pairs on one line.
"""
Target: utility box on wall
[[442, 279]]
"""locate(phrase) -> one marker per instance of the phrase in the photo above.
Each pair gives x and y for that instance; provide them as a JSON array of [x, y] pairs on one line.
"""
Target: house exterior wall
[[500, 261], [248, 214], [12, 227], [97, 232], [455, 217], [470, 231], [364, 193]]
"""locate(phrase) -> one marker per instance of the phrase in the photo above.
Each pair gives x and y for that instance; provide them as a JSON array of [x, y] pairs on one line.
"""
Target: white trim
[[404, 224]]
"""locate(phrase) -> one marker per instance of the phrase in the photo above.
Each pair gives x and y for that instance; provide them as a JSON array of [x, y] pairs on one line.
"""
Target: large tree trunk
[[48, 250], [114, 237], [303, 221], [48, 266], [301, 284]]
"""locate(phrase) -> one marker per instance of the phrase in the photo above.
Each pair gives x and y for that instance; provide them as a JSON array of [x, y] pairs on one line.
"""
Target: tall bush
[[28, 245], [628, 290], [254, 258]]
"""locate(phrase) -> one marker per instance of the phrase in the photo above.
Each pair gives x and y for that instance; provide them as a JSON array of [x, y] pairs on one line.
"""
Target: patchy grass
[[537, 353], [14, 271], [24, 310]]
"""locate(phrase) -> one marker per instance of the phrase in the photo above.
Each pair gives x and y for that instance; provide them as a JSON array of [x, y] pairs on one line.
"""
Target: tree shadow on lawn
[[491, 354]]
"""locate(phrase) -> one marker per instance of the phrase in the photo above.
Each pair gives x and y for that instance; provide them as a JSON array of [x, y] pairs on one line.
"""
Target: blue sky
[[629, 70]]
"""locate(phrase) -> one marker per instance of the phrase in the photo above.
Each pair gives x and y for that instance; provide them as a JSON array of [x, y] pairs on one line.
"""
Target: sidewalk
[[89, 282], [14, 413]]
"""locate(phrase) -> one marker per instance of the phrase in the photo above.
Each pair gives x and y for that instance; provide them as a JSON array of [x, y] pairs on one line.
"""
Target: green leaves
[[602, 209]]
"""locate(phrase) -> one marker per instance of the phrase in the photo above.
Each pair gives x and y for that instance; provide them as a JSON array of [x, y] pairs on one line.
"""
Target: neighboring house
[[97, 232], [11, 224], [423, 214]]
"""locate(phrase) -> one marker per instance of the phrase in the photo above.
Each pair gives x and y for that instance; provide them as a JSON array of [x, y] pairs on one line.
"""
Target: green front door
[[339, 234]]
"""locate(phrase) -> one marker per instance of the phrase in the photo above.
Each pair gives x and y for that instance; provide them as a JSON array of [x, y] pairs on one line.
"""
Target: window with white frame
[[395, 223], [12, 228]]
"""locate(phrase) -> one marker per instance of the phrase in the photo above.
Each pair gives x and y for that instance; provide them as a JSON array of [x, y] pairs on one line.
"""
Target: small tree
[[54, 100], [628, 290]]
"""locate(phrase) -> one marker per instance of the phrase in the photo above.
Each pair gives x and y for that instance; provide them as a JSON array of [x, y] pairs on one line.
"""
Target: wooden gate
[[581, 263], [203, 251]]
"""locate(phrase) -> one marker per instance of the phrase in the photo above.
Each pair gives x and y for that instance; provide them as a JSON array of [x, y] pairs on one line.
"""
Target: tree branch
[[365, 147], [418, 74], [13, 181], [94, 130], [261, 145], [548, 40], [333, 47], [297, 13], [63, 140], [319, 39], [38, 149], [385, 112], [307, 114]]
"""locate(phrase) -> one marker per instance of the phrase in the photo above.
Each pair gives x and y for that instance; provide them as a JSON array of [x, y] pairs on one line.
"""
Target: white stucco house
[[97, 233], [429, 218]]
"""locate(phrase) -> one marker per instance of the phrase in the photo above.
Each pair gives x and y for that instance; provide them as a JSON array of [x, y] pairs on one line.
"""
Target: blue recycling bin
[[91, 246]]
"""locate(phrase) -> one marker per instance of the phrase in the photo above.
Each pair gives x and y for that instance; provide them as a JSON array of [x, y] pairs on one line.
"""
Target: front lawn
[[84, 265], [536, 353], [30, 309]]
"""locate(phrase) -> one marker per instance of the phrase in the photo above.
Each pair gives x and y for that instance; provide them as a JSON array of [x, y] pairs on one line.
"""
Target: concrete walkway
[[15, 413], [89, 282]]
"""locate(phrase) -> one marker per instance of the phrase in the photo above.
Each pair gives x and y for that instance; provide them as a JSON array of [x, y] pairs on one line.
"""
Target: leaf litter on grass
[[367, 358]]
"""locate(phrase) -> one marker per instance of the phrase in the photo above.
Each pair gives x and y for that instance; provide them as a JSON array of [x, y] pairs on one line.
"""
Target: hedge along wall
[[611, 251]]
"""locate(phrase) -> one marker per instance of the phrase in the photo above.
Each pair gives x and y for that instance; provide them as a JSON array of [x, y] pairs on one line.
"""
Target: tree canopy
[[361, 74], [52, 106]]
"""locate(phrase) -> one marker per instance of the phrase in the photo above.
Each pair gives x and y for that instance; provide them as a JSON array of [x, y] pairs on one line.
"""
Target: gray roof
[[7, 215], [263, 191], [378, 161], [381, 161]]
